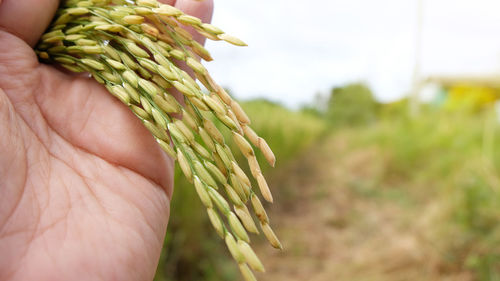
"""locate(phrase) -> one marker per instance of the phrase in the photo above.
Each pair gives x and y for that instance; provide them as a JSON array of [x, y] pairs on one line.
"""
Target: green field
[[374, 196]]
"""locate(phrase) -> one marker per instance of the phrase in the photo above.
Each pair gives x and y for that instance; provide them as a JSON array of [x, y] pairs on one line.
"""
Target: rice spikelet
[[134, 48]]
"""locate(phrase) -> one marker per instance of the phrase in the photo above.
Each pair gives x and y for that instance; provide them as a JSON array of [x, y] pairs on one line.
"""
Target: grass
[[397, 199], [440, 169], [451, 159]]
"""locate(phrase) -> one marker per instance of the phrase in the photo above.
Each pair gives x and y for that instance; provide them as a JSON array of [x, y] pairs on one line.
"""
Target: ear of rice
[[134, 48]]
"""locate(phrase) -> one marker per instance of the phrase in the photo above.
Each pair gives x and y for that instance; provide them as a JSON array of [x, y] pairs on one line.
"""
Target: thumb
[[27, 19]]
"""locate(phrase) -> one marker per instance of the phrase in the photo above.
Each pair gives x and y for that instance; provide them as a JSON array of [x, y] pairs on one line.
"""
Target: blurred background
[[385, 119]]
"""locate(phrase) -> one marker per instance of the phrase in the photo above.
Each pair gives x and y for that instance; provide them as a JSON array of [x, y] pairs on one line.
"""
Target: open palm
[[84, 189]]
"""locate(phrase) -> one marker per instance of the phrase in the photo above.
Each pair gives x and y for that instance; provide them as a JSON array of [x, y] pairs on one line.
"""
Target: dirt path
[[337, 225]]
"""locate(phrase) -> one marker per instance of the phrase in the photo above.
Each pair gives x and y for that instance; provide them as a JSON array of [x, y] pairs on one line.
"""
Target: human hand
[[84, 189]]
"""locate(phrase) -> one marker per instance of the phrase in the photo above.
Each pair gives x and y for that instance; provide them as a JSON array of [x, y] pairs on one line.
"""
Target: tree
[[352, 104]]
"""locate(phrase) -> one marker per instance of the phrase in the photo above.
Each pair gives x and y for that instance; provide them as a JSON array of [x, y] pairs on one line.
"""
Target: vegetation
[[438, 169], [452, 160], [352, 105]]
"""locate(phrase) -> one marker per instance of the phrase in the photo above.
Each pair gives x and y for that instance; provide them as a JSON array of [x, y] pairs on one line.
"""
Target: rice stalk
[[134, 48]]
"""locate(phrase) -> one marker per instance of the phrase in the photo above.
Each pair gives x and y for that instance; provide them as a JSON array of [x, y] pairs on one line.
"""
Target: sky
[[300, 48]]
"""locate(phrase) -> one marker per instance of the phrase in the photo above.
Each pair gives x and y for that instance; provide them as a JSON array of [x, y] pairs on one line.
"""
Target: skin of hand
[[84, 188]]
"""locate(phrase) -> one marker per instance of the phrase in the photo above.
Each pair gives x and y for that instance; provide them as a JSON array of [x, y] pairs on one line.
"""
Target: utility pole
[[416, 77]]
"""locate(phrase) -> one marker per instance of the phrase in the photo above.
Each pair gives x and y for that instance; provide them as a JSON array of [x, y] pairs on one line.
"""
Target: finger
[[27, 19], [169, 2]]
